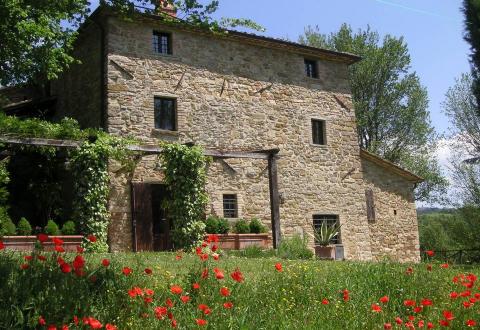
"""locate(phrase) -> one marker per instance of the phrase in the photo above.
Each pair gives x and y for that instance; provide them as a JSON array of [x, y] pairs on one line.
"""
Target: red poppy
[[78, 262], [80, 249], [219, 275], [224, 291], [57, 241], [2, 246], [24, 266], [214, 248], [64, 327], [430, 325], [398, 320], [149, 292], [126, 271], [185, 299], [409, 302], [411, 318], [467, 304], [148, 300], [105, 262], [430, 253], [66, 268], [178, 257], [212, 238], [174, 323], [59, 248], [204, 244], [207, 311], [421, 323], [325, 301], [426, 302], [346, 295], [448, 315], [110, 327], [228, 305], [60, 261], [94, 323], [376, 308], [41, 258], [410, 325], [92, 238], [175, 289], [278, 267], [453, 295], [41, 321], [135, 291], [75, 320], [205, 273], [160, 312], [42, 238], [237, 276], [384, 299], [387, 326], [169, 302], [204, 257], [28, 258], [444, 323], [201, 322], [148, 271], [417, 309], [470, 323], [196, 286], [202, 307], [215, 256], [444, 265], [466, 293], [198, 250]]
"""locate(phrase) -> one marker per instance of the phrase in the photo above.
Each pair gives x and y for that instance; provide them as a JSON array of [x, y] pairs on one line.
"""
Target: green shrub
[[211, 225], [257, 227], [52, 228], [294, 247], [68, 228], [8, 227], [241, 227], [223, 226], [253, 251], [23, 227]]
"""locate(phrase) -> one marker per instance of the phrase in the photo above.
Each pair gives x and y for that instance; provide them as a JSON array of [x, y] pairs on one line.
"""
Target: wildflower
[[185, 299], [409, 302], [212, 238], [178, 257], [175, 289], [448, 315], [57, 241], [148, 300], [24, 266], [148, 271], [224, 291], [384, 299], [204, 257], [174, 323], [92, 238], [201, 322], [426, 302], [41, 321], [41, 258], [78, 262], [325, 301], [160, 312], [430, 253], [198, 250], [42, 238], [398, 320], [94, 323], [75, 320], [444, 323], [421, 323], [135, 291], [453, 295], [110, 327], [105, 262], [126, 271], [65, 327], [60, 261], [214, 248], [346, 295], [466, 293], [28, 258], [215, 256], [219, 275], [66, 268], [278, 267], [444, 265], [430, 325], [376, 308], [149, 292], [228, 305], [470, 323], [80, 249], [169, 302], [202, 307], [196, 286], [418, 309], [237, 276], [467, 304], [2, 246], [207, 311], [59, 249], [387, 326], [205, 273]]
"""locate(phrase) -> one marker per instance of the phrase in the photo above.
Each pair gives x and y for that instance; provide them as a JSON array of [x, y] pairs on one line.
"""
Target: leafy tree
[[37, 36], [390, 103], [471, 10]]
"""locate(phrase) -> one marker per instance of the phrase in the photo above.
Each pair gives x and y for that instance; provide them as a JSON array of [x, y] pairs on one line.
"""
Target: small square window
[[230, 206], [329, 220], [311, 68], [318, 132], [162, 42], [165, 114]]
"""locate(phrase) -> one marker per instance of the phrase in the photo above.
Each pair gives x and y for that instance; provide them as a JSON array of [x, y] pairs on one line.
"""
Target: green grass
[[267, 299]]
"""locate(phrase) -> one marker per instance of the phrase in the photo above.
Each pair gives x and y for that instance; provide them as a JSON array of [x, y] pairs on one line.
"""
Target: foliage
[[216, 225], [390, 102], [253, 251], [7, 227], [23, 227], [185, 177], [294, 247], [257, 227], [69, 228], [241, 227], [4, 180], [471, 10], [324, 235], [52, 228]]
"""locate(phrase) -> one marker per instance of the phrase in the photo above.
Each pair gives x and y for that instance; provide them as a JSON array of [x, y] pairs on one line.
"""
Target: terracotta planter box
[[27, 243], [325, 252], [241, 241]]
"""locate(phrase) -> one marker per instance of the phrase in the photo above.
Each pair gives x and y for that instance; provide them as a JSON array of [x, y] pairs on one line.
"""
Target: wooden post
[[274, 198]]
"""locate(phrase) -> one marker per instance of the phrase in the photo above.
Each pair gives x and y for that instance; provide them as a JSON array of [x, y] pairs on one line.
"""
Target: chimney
[[165, 7]]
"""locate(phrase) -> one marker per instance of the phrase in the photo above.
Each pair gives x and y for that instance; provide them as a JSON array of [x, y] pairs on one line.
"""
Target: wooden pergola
[[270, 155]]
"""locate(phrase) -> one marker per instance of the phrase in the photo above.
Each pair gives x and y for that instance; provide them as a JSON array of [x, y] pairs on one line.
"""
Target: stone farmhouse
[[161, 81]]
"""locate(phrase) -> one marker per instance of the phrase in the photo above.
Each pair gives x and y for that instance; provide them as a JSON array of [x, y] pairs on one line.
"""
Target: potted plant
[[323, 236]]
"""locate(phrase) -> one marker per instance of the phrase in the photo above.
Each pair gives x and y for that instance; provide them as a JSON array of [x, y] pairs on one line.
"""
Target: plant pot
[[241, 241], [27, 243], [325, 252]]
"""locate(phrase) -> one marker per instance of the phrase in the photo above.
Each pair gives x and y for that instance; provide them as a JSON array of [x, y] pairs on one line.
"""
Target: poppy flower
[[384, 299], [126, 271], [411, 317], [387, 326], [228, 305], [376, 308], [201, 322], [212, 238], [215, 256], [219, 275], [110, 327], [148, 300], [178, 257], [444, 323], [409, 271], [59, 248], [42, 238], [430, 325], [196, 286], [467, 304], [426, 302], [204, 244], [105, 262], [470, 323], [57, 241], [430, 253], [198, 250], [466, 293], [148, 271], [80, 249], [214, 248], [60, 261], [149, 292], [409, 325], [65, 327], [92, 238], [346, 295], [325, 302], [78, 262], [417, 309], [185, 299], [444, 266], [421, 323], [453, 295], [204, 257], [409, 302], [205, 273], [160, 312], [94, 323], [207, 311], [41, 258], [41, 321], [169, 302], [24, 266], [175, 289], [28, 258], [174, 323], [135, 291], [75, 320], [224, 291], [66, 268], [278, 267], [2, 246], [202, 307], [448, 315], [398, 320], [237, 276]]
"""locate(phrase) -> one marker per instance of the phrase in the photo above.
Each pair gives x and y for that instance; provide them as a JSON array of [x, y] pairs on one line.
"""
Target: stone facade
[[235, 95]]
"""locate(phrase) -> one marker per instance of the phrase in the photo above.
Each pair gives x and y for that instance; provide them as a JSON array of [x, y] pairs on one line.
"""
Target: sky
[[433, 30]]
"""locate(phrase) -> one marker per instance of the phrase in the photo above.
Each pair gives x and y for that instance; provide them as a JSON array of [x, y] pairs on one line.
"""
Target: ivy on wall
[[185, 176]]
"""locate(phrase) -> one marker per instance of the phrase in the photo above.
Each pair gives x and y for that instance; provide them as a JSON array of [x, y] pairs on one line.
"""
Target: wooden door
[[142, 217], [160, 219]]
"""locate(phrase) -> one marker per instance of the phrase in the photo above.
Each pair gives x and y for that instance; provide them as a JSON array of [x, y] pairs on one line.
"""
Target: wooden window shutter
[[142, 217], [370, 205]]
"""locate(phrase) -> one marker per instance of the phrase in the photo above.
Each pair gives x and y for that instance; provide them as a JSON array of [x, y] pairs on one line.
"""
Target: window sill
[[321, 146], [171, 56], [156, 132], [311, 79]]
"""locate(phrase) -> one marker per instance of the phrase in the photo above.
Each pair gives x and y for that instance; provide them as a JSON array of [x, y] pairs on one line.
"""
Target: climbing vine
[[185, 176]]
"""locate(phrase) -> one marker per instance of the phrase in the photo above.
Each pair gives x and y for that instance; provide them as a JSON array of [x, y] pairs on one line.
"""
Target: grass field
[[303, 294]]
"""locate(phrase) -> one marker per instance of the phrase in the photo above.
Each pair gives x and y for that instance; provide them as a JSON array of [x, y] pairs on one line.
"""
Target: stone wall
[[79, 89], [234, 96], [394, 233]]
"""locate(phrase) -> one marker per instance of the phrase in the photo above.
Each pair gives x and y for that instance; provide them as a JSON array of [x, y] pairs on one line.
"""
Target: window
[[311, 68], [370, 205], [162, 42], [329, 220], [230, 209], [165, 114], [318, 132]]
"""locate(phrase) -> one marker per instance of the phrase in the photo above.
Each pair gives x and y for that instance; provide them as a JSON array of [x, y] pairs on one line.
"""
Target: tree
[[390, 103], [37, 36], [471, 10]]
